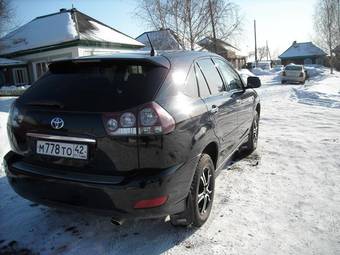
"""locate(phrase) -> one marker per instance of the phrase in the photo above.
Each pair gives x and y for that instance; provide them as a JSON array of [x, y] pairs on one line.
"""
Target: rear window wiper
[[47, 103]]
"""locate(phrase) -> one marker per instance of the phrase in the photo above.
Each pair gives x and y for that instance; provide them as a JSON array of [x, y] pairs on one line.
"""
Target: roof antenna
[[153, 52]]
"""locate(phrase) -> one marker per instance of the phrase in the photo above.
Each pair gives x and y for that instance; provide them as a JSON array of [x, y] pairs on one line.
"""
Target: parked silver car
[[293, 73]]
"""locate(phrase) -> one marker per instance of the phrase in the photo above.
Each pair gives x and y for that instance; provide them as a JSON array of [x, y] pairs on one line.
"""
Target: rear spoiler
[[138, 59]]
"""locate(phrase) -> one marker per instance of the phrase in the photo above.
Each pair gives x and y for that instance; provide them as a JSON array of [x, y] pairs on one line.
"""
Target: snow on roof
[[107, 34], [306, 49], [64, 26], [10, 62], [165, 39], [44, 31]]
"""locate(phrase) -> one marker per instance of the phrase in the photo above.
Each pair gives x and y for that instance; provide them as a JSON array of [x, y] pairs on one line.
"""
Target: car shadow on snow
[[29, 228]]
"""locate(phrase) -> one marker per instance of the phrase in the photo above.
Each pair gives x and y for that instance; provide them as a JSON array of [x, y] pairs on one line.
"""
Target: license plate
[[65, 150]]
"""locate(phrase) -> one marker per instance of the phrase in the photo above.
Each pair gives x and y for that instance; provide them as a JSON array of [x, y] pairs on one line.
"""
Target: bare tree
[[227, 19], [326, 22], [6, 15], [190, 19], [262, 52]]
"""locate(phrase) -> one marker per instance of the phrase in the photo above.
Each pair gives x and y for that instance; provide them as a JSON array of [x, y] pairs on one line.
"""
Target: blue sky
[[278, 21]]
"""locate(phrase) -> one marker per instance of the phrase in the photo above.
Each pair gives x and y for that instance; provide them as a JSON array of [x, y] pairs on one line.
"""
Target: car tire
[[283, 82], [303, 82], [253, 134], [201, 196]]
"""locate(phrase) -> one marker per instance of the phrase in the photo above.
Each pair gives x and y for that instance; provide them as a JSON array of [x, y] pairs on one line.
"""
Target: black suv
[[131, 135]]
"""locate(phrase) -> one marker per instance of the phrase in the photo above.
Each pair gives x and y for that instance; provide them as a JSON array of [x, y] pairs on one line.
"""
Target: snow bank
[[13, 90], [322, 90], [245, 73], [259, 71], [314, 70]]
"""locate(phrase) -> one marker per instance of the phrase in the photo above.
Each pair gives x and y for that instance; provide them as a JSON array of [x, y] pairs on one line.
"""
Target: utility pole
[[255, 43], [213, 26]]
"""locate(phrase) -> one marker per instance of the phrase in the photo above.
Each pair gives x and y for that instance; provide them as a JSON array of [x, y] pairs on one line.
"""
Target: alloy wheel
[[205, 191]]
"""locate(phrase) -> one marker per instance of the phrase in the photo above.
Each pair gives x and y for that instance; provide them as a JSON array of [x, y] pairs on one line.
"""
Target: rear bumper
[[108, 195]]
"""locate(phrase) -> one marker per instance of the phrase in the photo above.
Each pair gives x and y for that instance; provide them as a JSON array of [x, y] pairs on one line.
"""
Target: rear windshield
[[101, 87], [293, 68]]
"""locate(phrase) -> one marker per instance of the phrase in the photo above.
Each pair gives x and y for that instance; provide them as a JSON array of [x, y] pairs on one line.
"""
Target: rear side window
[[232, 80], [202, 84], [190, 87], [97, 86], [212, 76]]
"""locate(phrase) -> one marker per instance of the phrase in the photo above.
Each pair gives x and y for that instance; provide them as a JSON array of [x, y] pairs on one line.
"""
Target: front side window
[[232, 80], [211, 75]]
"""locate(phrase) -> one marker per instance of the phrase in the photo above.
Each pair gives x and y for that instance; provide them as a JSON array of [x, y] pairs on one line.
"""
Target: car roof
[[162, 58]]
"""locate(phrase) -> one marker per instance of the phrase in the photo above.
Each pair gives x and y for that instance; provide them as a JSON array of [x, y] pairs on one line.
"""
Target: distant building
[[303, 54], [62, 35], [165, 39], [226, 50]]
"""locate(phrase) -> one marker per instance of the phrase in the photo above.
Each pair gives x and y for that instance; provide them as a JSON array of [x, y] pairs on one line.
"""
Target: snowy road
[[283, 199]]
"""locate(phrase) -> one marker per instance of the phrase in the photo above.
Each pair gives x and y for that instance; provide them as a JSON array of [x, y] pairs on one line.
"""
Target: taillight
[[152, 119], [120, 124], [301, 74], [128, 120], [283, 73]]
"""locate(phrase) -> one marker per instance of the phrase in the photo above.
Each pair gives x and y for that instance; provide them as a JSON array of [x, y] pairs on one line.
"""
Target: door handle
[[214, 109]]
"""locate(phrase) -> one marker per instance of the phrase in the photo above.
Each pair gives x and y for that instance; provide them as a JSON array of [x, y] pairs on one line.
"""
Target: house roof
[[306, 49], [11, 62], [61, 27], [165, 39], [222, 46]]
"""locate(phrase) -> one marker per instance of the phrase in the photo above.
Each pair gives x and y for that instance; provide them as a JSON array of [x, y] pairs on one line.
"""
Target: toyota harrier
[[131, 135]]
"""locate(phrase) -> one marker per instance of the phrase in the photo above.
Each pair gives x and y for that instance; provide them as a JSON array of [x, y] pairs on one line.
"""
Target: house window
[[41, 68], [20, 76]]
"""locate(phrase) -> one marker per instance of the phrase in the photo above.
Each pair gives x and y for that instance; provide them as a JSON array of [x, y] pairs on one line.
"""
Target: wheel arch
[[258, 109], [212, 150]]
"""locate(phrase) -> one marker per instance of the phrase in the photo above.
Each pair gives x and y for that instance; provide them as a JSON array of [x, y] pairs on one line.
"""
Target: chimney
[[294, 42], [63, 10]]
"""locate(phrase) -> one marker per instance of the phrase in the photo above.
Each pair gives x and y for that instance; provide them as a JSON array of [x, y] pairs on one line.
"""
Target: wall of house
[[13, 75], [38, 62], [304, 61], [35, 60]]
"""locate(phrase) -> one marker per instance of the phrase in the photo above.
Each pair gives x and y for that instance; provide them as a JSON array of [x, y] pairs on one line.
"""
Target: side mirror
[[253, 82]]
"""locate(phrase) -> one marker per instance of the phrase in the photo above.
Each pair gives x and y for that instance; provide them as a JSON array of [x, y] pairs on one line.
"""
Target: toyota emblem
[[57, 123]]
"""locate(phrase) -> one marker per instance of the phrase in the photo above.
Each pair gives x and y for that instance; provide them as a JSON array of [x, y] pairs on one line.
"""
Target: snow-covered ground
[[282, 199], [13, 90]]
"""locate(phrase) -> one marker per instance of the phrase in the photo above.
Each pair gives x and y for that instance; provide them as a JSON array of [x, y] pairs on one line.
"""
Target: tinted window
[[212, 76], [190, 86], [203, 86], [230, 77], [97, 86]]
